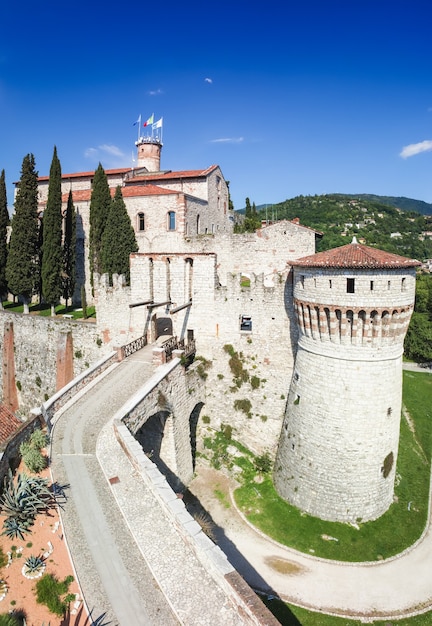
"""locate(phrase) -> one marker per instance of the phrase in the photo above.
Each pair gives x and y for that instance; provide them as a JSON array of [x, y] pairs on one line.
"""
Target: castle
[[332, 324]]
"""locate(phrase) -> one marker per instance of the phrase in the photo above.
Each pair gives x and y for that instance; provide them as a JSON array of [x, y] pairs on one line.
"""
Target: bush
[[39, 439], [49, 591], [263, 463], [34, 460]]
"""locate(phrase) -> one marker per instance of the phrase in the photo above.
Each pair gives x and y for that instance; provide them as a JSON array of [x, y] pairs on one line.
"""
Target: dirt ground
[[46, 540]]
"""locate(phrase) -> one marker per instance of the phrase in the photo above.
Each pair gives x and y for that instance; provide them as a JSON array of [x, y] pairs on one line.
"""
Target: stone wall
[[36, 345], [215, 320]]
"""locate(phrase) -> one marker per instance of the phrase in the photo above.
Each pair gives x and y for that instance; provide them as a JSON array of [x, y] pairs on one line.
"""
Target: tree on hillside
[[118, 240], [69, 251], [4, 223], [52, 256], [100, 204], [22, 263]]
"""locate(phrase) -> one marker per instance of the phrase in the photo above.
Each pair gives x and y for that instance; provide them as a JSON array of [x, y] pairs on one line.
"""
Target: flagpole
[[139, 126]]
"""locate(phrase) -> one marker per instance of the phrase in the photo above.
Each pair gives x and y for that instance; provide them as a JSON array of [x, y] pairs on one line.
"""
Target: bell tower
[[149, 153]]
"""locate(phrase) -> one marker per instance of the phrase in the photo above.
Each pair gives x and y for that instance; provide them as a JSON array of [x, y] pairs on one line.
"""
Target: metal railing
[[134, 346]]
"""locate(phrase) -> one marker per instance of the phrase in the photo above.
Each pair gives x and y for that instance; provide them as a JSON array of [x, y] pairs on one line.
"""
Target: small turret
[[149, 153]]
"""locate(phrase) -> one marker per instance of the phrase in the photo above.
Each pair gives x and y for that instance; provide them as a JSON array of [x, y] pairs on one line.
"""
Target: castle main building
[[324, 329]]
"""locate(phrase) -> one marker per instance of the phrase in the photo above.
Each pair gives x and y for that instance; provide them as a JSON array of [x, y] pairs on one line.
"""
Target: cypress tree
[[100, 203], [118, 240], [69, 251], [4, 223], [22, 264], [52, 256]]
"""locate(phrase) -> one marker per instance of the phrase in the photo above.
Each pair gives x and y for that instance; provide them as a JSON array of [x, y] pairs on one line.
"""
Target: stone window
[[246, 323], [171, 220], [371, 285], [388, 285], [141, 221], [302, 278], [350, 285], [403, 285], [330, 283]]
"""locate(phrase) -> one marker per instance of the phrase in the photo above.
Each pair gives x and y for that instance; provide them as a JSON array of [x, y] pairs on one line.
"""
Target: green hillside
[[339, 217], [400, 202]]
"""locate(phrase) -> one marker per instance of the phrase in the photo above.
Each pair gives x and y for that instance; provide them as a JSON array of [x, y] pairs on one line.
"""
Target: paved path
[[105, 523], [131, 563], [103, 550]]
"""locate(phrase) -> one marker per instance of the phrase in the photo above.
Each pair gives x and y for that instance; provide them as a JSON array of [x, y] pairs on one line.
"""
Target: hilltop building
[[265, 311]]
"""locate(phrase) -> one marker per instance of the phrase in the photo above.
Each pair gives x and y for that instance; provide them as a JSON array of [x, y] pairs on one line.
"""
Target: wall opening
[[246, 323], [350, 285]]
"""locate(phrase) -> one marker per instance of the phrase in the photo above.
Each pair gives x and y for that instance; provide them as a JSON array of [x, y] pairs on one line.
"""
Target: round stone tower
[[338, 447], [149, 153]]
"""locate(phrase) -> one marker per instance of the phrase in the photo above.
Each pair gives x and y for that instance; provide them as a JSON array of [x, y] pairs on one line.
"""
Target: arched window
[[171, 220], [141, 221]]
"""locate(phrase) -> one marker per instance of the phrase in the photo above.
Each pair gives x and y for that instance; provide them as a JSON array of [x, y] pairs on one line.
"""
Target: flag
[[150, 120], [138, 121], [158, 124]]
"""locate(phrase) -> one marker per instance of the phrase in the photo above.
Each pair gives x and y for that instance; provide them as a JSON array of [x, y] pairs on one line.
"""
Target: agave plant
[[14, 527], [22, 500], [34, 564]]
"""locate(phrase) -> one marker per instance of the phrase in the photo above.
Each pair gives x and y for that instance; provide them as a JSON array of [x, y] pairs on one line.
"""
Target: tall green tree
[[69, 251], [4, 223], [22, 264], [100, 204], [118, 240], [52, 254]]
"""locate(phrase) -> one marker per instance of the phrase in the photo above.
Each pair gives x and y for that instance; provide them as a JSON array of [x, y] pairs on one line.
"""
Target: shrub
[[244, 405], [255, 382], [49, 591], [39, 439], [34, 460], [263, 463]]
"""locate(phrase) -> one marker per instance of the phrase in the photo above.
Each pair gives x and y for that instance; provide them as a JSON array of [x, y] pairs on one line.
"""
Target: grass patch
[[54, 593], [372, 540], [45, 310], [223, 498], [290, 615]]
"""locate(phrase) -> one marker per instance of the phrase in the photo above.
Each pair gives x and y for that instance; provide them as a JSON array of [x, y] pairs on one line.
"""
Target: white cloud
[[113, 150], [228, 140], [90, 153], [416, 148], [208, 80], [155, 92], [109, 155]]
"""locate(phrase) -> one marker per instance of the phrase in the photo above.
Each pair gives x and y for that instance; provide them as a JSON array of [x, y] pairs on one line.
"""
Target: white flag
[[158, 124]]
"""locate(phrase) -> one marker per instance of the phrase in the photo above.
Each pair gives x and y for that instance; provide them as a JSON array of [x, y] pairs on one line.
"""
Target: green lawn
[[45, 310], [373, 540]]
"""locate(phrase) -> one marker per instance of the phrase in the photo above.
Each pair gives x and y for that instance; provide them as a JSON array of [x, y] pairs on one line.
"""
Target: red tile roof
[[84, 195], [173, 175], [119, 170], [150, 176], [9, 424], [355, 255]]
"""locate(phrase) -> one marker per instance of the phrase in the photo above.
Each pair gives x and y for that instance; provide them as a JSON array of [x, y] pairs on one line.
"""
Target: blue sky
[[289, 98]]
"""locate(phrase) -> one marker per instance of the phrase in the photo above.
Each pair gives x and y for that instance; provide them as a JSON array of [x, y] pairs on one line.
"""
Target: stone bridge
[[122, 437]]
